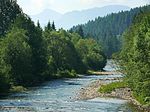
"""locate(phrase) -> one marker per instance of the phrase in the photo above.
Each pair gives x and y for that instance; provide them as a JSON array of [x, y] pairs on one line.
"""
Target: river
[[59, 96]]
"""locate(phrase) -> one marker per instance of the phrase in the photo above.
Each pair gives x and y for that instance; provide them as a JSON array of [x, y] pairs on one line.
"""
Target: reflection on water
[[58, 96]]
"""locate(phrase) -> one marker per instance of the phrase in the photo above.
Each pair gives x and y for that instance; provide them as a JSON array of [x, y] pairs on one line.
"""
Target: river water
[[59, 96]]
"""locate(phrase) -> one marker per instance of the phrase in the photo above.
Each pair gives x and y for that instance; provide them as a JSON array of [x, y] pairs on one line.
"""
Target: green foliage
[[4, 83], [61, 53], [16, 89], [9, 10], [53, 26], [91, 54], [29, 55], [16, 57], [135, 57], [50, 27], [108, 30], [67, 74], [36, 42], [112, 86], [80, 31], [38, 24]]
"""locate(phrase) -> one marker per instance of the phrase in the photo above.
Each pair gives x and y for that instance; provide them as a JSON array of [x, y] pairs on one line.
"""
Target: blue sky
[[32, 7]]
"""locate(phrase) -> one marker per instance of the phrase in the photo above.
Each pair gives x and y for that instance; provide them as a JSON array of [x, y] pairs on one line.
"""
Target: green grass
[[112, 86], [142, 99], [90, 72]]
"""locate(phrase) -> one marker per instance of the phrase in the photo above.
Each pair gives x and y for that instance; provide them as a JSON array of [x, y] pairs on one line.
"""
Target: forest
[[125, 36], [134, 57], [108, 30], [30, 55]]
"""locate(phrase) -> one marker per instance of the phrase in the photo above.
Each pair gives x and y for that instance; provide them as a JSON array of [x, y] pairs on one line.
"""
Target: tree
[[61, 53], [135, 57], [38, 24], [48, 27], [9, 10], [91, 54], [80, 31], [16, 56], [36, 42], [53, 26], [109, 28]]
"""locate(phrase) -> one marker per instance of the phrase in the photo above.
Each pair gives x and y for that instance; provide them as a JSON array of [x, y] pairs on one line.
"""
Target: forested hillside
[[135, 59], [30, 55], [108, 29], [9, 10]]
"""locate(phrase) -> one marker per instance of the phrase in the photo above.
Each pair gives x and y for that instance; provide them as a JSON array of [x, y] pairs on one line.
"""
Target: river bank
[[58, 96], [92, 91]]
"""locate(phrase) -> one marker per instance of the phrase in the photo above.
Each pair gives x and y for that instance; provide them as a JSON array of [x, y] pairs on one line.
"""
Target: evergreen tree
[[53, 26], [38, 24], [135, 57], [80, 31], [48, 27], [29, 55], [9, 10], [35, 41], [114, 24]]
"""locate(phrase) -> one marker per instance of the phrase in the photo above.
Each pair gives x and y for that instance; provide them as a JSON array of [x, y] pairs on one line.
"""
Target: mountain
[[45, 16], [80, 17], [70, 19], [108, 29]]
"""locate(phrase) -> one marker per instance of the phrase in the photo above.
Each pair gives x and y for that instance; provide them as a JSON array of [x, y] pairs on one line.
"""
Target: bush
[[67, 74], [18, 89], [112, 86]]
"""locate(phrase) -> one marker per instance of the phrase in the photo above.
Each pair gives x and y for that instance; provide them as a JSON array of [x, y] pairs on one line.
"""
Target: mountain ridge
[[69, 19]]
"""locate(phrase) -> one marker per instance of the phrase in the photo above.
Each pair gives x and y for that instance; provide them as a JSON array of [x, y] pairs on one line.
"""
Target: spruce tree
[[53, 26]]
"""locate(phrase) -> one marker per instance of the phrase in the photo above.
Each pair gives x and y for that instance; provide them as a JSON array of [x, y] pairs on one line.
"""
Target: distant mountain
[[70, 19], [108, 29], [79, 17], [45, 16]]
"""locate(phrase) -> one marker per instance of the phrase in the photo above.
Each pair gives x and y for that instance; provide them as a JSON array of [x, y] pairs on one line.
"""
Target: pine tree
[[53, 26], [48, 27], [80, 31], [115, 23], [38, 24]]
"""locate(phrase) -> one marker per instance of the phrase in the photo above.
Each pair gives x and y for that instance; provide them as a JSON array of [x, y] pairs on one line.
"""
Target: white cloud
[[35, 6]]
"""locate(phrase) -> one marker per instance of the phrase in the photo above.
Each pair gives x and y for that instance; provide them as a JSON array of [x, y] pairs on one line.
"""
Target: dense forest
[[108, 30], [30, 55], [128, 35], [135, 57]]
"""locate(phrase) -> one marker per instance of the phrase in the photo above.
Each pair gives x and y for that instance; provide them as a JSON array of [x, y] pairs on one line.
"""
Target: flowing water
[[59, 96]]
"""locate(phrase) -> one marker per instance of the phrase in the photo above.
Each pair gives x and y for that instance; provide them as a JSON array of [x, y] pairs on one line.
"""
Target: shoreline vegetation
[[90, 72], [111, 87], [31, 55]]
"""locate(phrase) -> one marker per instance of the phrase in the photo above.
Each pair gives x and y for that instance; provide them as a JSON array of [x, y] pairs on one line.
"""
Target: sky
[[33, 7]]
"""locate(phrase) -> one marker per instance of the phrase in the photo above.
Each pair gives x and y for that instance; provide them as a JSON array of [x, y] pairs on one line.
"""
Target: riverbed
[[60, 96]]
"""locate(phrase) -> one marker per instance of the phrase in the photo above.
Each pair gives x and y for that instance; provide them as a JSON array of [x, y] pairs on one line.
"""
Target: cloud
[[35, 6]]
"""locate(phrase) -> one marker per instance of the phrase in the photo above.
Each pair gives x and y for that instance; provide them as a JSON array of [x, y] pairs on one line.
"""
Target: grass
[[122, 84], [16, 89], [67, 74], [92, 72], [142, 99], [112, 86]]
